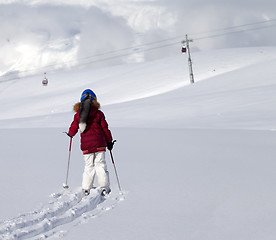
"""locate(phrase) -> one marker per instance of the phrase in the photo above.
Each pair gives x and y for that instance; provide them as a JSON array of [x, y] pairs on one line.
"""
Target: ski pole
[[65, 185], [111, 155]]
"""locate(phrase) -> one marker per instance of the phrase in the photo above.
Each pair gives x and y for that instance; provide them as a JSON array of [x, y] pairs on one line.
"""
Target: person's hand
[[110, 145]]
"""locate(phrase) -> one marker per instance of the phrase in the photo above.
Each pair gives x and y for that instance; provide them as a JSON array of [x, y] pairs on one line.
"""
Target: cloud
[[102, 33], [33, 37], [29, 34], [200, 18], [38, 33]]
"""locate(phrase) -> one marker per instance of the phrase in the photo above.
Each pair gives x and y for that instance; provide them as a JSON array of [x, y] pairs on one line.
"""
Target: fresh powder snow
[[194, 161]]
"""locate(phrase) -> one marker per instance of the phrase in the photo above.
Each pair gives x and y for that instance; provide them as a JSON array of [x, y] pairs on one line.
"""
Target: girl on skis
[[95, 137]]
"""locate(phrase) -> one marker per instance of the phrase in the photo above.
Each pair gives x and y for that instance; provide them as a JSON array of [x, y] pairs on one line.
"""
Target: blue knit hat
[[90, 93]]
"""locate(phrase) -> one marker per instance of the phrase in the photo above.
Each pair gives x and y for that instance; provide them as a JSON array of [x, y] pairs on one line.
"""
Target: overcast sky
[[36, 33]]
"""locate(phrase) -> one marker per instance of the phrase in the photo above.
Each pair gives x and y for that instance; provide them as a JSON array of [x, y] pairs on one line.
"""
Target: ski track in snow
[[64, 208]]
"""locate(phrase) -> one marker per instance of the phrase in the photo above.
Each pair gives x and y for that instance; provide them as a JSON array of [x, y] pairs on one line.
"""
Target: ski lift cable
[[233, 27], [233, 32], [36, 72], [177, 37], [168, 39], [143, 50], [127, 54], [94, 56]]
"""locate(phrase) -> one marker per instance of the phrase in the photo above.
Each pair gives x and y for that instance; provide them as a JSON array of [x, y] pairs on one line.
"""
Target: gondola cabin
[[45, 80], [184, 49]]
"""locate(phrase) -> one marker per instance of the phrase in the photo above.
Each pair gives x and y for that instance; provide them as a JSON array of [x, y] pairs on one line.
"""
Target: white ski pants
[[95, 165]]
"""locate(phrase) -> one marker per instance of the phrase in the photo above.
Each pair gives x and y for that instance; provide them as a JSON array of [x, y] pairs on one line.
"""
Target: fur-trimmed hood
[[95, 104]]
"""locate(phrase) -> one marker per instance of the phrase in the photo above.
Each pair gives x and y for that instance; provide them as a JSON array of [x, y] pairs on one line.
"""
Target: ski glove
[[110, 145]]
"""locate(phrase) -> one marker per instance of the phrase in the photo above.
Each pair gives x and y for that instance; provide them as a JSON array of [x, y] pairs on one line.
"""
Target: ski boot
[[86, 192], [105, 191]]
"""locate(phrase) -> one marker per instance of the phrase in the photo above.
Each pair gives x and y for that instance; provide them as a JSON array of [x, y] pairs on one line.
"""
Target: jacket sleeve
[[104, 125], [74, 126]]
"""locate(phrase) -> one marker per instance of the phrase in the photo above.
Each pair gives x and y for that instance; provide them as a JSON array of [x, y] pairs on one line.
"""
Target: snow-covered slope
[[233, 79], [194, 161]]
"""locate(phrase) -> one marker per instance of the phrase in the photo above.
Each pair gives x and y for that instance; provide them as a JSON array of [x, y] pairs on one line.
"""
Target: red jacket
[[96, 135]]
